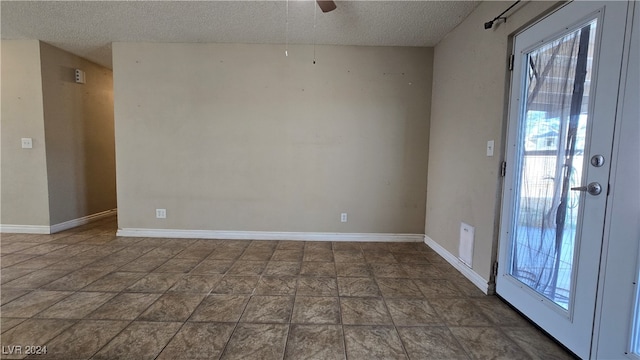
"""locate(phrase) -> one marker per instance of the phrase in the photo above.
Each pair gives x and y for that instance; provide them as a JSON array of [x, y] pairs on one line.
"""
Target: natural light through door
[[550, 158]]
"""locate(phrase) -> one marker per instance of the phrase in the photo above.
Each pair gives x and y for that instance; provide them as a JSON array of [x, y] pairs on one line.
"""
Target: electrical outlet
[[161, 213], [27, 143], [343, 217]]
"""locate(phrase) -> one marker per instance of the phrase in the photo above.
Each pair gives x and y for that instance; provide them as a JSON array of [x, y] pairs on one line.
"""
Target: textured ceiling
[[87, 28]]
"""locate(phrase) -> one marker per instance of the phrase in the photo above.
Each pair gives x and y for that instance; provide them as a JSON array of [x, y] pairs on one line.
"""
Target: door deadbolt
[[597, 160]]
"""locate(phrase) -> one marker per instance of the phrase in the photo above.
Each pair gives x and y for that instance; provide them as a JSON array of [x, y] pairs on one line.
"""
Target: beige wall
[[70, 172], [240, 137], [80, 143], [468, 107], [24, 173]]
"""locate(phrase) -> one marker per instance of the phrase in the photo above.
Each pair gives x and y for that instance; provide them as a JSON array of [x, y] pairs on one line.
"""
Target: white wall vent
[[465, 249]]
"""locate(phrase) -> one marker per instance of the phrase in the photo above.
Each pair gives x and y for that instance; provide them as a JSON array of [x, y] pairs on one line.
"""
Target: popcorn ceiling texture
[[88, 28]]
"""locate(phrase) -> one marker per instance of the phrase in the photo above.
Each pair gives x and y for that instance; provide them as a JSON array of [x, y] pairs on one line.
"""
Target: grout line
[[224, 349], [293, 307]]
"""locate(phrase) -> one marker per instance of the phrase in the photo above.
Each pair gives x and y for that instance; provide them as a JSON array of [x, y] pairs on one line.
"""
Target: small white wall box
[[27, 143], [80, 76], [465, 250]]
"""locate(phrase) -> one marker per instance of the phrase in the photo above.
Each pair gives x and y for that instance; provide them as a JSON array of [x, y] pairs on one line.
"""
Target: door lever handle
[[593, 188]]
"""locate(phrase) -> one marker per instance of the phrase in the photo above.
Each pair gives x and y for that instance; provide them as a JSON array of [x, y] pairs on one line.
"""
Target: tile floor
[[85, 293]]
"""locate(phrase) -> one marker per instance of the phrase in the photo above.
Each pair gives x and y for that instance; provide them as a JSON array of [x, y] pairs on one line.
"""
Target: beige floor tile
[[114, 282], [247, 268], [198, 341], [76, 306], [498, 312], [381, 257], [434, 343], [11, 273], [176, 265], [316, 310], [318, 342], [277, 285], [268, 309], [83, 339], [353, 270], [35, 279], [373, 342], [36, 332], [172, 306], [348, 256], [140, 340], [398, 288], [253, 254], [155, 282], [438, 288], [358, 286], [124, 306], [282, 268], [459, 312], [412, 312], [236, 285], [77, 280], [257, 341], [8, 323], [196, 283], [421, 271], [346, 246], [213, 267], [7, 295], [318, 255], [488, 343], [317, 286], [32, 303], [290, 245], [364, 311], [388, 271], [536, 344], [220, 308], [287, 255], [318, 268], [15, 259]]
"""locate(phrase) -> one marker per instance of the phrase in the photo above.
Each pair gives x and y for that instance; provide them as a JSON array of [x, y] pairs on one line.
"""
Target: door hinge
[[503, 169], [495, 269], [511, 60]]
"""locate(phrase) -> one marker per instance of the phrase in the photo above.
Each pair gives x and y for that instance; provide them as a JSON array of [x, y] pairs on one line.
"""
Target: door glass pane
[[554, 118]]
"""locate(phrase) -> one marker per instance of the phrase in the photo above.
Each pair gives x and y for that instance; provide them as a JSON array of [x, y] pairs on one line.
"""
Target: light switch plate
[[490, 145], [27, 143]]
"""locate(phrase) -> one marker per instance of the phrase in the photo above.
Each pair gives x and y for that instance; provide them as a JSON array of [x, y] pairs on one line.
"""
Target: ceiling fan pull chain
[[286, 44], [315, 10]]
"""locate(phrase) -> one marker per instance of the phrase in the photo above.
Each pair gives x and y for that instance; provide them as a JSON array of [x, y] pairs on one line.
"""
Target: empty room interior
[[308, 179]]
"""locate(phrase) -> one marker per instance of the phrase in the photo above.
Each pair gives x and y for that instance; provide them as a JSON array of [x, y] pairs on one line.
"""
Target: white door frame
[[619, 270]]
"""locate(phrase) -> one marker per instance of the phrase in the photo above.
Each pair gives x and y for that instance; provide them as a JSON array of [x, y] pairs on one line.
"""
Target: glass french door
[[560, 132]]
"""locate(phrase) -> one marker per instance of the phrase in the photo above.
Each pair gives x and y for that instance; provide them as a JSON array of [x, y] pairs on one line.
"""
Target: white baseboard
[[473, 276], [82, 221], [268, 235], [25, 229], [44, 229]]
